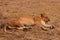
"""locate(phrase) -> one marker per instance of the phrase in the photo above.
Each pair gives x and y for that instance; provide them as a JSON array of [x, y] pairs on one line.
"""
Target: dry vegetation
[[16, 8]]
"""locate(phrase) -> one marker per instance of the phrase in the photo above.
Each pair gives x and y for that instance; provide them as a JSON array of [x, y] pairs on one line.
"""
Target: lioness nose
[[48, 19]]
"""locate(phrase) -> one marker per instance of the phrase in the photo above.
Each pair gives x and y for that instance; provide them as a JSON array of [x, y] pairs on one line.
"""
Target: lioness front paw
[[51, 27]]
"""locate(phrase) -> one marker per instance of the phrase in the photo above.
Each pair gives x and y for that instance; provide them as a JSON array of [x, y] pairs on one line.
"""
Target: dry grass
[[17, 8]]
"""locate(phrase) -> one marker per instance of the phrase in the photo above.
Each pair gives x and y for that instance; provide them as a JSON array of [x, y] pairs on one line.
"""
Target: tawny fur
[[21, 21]]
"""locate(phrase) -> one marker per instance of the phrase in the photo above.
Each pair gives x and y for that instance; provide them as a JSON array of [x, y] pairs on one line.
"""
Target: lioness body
[[20, 22]]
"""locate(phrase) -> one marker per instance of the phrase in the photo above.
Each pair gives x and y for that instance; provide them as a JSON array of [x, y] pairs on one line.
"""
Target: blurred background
[[17, 8]]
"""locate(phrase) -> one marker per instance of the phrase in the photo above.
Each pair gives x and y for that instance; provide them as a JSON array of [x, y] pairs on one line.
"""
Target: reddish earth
[[15, 8]]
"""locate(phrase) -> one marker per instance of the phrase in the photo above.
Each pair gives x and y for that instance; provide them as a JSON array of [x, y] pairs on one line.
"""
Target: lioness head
[[44, 17]]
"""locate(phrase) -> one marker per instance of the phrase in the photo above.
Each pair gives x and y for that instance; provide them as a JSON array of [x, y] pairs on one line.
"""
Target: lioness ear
[[42, 15]]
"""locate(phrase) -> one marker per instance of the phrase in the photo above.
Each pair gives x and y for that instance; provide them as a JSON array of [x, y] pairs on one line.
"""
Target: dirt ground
[[17, 8]]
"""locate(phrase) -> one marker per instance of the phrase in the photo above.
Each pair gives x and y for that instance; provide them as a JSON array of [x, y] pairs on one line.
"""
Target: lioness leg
[[5, 28]]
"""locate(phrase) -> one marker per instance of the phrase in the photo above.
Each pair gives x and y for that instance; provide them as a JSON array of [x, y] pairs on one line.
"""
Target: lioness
[[22, 22]]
